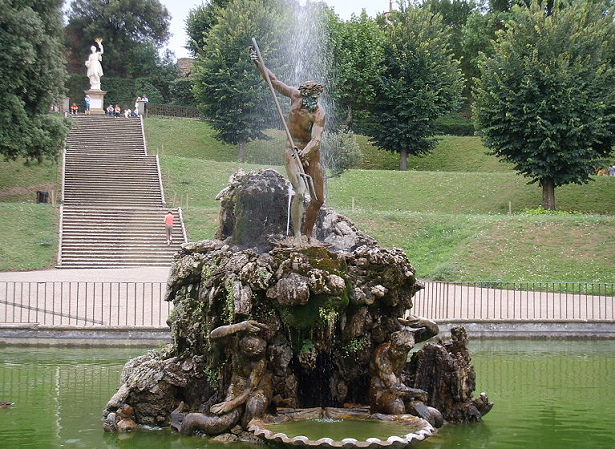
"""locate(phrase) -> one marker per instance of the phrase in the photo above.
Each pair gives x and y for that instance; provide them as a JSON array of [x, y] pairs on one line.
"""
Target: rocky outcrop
[[445, 372], [322, 309]]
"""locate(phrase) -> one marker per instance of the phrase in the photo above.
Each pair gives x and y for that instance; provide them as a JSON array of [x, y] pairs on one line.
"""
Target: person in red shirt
[[168, 224]]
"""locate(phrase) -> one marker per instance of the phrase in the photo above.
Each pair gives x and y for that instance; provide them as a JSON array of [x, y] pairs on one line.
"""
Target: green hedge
[[181, 91], [454, 125], [119, 91]]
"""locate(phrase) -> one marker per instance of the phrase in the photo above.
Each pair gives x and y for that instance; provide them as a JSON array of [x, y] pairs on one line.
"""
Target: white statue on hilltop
[[94, 66]]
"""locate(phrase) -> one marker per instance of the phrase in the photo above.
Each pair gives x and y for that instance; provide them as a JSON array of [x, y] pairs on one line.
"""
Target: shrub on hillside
[[181, 92], [340, 151], [454, 125], [143, 86]]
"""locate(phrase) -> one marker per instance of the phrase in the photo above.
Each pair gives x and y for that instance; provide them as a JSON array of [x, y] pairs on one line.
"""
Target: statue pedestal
[[97, 100]]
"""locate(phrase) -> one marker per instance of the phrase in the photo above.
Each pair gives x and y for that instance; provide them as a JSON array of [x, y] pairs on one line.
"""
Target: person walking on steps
[[168, 224]]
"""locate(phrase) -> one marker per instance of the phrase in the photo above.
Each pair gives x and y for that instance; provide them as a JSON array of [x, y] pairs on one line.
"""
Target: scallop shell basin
[[418, 429]]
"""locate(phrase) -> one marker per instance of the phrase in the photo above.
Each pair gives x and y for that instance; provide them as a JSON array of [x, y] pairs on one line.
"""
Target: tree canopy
[[357, 55], [420, 81], [200, 20], [545, 100], [133, 31], [228, 87], [32, 78]]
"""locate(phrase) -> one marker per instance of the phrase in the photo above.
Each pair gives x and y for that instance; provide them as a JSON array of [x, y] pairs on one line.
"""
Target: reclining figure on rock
[[250, 391], [387, 392]]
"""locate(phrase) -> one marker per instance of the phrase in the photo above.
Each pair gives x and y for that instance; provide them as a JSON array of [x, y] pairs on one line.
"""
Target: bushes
[[181, 91], [119, 90], [454, 125], [340, 151]]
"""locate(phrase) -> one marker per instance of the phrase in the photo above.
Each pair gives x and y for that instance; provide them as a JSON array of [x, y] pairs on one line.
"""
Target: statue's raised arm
[[284, 89]]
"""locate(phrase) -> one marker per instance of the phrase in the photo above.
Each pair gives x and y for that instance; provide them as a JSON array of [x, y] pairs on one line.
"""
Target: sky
[[179, 10]]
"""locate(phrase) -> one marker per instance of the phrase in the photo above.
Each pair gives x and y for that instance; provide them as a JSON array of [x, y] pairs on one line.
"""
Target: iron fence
[[516, 301], [141, 304], [119, 304]]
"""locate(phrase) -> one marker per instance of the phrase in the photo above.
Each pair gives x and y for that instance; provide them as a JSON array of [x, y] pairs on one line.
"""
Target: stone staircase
[[113, 203]]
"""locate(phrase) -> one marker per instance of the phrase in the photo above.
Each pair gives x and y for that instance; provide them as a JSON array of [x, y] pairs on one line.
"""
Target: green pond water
[[338, 429], [547, 394]]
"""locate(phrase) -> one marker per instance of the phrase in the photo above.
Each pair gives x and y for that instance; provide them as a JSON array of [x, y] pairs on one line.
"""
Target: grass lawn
[[194, 139], [448, 213], [498, 247], [30, 234], [19, 183], [477, 247], [462, 192], [414, 191], [452, 154]]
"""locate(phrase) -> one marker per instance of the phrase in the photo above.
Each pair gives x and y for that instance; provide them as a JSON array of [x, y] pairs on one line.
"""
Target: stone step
[[113, 213], [101, 199], [106, 202], [103, 151], [123, 182], [98, 196], [129, 151], [114, 245], [118, 185], [117, 262], [115, 257], [111, 170], [159, 249], [102, 234], [134, 178], [109, 160], [85, 265], [128, 146], [115, 158]]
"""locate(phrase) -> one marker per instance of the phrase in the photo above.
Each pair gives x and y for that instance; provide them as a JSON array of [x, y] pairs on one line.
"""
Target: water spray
[[303, 176]]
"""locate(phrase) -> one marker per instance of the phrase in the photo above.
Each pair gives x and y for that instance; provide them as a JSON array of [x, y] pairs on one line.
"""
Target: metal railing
[[170, 110], [516, 301], [141, 304], [80, 304]]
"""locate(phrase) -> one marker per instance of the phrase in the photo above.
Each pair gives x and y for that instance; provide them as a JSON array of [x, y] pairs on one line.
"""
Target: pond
[[547, 394]]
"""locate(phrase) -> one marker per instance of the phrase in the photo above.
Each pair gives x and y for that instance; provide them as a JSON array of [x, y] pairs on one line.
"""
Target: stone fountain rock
[[306, 319]]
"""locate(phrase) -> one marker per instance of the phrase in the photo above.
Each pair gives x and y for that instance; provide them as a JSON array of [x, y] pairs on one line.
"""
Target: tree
[[32, 78], [357, 48], [420, 82], [229, 89], [455, 14], [199, 21], [545, 100], [477, 36], [130, 29]]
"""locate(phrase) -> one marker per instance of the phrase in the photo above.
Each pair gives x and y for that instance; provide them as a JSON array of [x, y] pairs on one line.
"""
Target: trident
[[307, 179]]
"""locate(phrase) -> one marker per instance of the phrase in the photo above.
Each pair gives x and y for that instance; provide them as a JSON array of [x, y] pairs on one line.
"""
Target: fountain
[[266, 332], [273, 336]]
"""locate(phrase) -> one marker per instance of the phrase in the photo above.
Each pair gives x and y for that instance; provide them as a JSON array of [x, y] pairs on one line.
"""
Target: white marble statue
[[94, 66]]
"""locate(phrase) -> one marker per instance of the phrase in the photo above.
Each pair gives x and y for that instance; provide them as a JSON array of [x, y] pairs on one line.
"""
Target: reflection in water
[[547, 394]]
